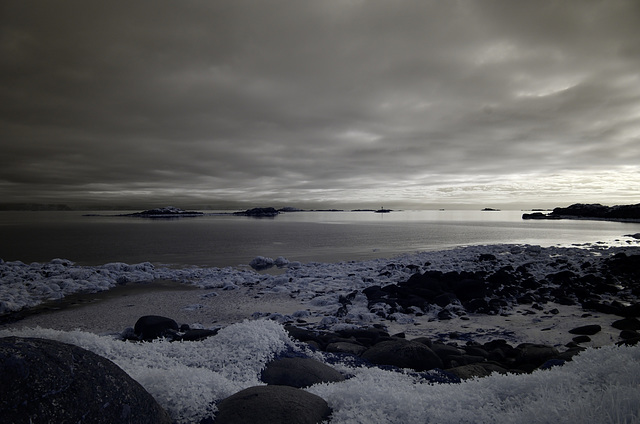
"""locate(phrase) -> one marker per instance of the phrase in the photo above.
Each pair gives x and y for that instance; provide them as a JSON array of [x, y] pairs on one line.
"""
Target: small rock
[[581, 339], [586, 330]]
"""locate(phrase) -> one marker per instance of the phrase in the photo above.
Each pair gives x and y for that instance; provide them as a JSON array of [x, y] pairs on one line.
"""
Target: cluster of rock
[[445, 362], [150, 327], [165, 212], [282, 400], [291, 372], [610, 286], [590, 211]]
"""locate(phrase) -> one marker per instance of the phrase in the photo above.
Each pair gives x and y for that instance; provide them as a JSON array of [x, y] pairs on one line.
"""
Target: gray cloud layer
[[410, 102]]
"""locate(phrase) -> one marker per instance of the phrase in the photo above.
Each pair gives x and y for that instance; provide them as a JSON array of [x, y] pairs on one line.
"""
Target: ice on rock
[[261, 262], [281, 262]]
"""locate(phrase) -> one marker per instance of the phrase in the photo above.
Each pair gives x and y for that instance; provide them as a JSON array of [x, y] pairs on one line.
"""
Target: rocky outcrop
[[165, 212], [590, 211], [45, 381]]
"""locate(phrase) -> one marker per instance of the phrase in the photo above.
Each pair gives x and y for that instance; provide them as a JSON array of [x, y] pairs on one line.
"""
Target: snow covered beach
[[188, 378]]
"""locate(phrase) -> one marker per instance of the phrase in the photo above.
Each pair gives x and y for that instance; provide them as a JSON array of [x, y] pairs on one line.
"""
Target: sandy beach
[[114, 310]]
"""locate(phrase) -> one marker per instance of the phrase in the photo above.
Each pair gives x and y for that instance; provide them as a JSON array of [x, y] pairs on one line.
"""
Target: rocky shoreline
[[629, 213], [361, 305]]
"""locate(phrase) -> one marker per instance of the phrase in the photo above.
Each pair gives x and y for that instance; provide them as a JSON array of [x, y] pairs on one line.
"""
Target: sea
[[219, 239]]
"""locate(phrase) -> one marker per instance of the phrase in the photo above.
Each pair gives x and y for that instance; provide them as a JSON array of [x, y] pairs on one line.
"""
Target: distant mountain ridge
[[33, 207]]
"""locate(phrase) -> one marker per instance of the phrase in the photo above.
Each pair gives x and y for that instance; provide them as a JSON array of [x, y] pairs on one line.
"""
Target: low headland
[[597, 211]]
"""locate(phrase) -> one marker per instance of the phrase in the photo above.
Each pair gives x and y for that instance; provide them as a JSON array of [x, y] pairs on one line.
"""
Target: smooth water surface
[[227, 240]]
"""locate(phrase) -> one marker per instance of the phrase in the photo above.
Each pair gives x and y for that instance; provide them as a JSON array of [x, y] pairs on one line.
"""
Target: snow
[[187, 378]]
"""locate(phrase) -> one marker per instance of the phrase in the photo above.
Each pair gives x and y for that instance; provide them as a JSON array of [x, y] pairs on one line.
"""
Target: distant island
[[165, 212], [591, 211], [259, 212]]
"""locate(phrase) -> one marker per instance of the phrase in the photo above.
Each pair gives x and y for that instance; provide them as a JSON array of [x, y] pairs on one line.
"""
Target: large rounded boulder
[[45, 381], [272, 405]]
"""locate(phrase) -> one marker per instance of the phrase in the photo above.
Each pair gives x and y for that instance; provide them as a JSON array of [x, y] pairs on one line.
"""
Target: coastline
[[311, 296], [497, 364]]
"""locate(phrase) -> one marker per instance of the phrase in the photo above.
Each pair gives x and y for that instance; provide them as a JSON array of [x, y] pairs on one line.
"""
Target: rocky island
[[259, 212], [165, 212], [591, 211]]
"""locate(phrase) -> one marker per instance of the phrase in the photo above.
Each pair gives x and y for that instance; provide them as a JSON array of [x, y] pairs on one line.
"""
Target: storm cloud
[[357, 102]]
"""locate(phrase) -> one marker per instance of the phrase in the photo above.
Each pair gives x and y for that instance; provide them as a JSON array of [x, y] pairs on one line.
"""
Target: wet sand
[[114, 310]]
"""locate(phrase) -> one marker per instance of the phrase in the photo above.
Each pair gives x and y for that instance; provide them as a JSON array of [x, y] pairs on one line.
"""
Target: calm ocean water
[[216, 240]]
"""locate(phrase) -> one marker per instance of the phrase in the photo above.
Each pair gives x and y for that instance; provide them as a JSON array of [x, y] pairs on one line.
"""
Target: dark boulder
[[346, 347], [272, 405], [403, 354], [534, 355], [45, 381], [581, 339], [632, 310], [151, 327], [299, 372], [301, 334], [366, 336], [465, 372], [469, 288], [627, 324], [629, 334], [586, 330]]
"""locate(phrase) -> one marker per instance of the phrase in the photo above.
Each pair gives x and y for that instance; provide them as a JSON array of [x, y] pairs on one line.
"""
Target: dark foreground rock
[[272, 405], [45, 381], [151, 327]]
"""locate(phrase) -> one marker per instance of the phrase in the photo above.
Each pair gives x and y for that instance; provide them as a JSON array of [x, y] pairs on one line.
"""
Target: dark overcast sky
[[399, 103]]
